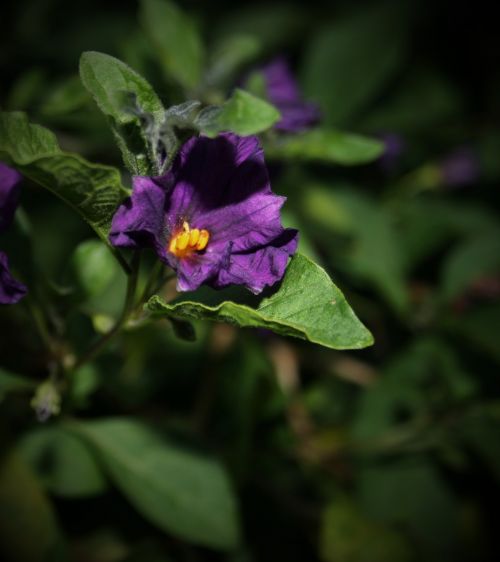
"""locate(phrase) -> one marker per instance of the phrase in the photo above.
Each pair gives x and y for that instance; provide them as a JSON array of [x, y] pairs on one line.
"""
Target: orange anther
[[203, 240], [194, 236], [182, 240]]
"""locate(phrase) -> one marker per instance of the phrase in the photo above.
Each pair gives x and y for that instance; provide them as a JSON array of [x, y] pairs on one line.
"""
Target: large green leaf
[[308, 306], [176, 41], [63, 461], [327, 145], [93, 190], [243, 114], [123, 95], [351, 59], [184, 493]]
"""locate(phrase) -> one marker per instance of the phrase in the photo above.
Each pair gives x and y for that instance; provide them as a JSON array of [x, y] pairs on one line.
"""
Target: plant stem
[[128, 305]]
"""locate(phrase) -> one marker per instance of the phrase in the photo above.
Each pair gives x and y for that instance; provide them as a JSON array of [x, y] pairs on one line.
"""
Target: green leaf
[[176, 41], [93, 190], [374, 253], [63, 461], [109, 80], [347, 535], [93, 266], [123, 95], [243, 114], [184, 493], [308, 306], [28, 528], [327, 145], [229, 56], [350, 60]]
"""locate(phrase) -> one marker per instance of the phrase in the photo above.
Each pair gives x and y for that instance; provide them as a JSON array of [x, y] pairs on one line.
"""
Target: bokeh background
[[387, 454]]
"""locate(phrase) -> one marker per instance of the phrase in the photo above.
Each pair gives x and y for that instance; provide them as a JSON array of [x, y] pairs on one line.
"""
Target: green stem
[[128, 306]]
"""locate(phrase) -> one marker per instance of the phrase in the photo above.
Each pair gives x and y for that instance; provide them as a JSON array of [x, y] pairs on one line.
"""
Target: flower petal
[[11, 290], [9, 194], [140, 220], [262, 267]]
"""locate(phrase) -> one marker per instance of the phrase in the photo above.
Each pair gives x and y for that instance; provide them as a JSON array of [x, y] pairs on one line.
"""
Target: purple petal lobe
[[11, 290], [283, 91], [9, 194], [139, 221]]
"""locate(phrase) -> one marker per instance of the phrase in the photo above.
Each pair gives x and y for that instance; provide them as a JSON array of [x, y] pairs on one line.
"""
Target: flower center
[[186, 241]]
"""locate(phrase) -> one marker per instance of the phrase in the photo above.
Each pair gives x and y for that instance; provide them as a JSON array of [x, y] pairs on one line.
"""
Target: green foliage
[[28, 528], [306, 288], [94, 267], [349, 61], [180, 491], [243, 114], [327, 145], [347, 535], [93, 190], [123, 95], [168, 28], [64, 463]]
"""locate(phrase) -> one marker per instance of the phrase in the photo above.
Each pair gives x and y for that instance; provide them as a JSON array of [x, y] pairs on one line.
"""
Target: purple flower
[[9, 194], [460, 168], [213, 217], [283, 91], [395, 146], [11, 290]]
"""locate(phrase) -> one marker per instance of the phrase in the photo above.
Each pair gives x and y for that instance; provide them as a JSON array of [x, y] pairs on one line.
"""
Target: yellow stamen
[[182, 241], [186, 241], [203, 240], [194, 236]]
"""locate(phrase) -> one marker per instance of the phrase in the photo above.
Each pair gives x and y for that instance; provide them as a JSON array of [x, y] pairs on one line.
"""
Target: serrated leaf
[[63, 461], [327, 145], [176, 41], [243, 114], [308, 306], [124, 96], [183, 493], [93, 190]]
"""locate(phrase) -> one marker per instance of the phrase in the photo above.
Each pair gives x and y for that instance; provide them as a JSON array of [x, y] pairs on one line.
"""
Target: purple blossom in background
[[9, 194], [283, 92], [395, 146], [11, 290], [460, 168], [213, 217]]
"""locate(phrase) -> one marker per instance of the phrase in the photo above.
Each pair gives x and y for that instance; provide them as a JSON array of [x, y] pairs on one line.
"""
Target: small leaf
[[176, 41], [327, 145], [185, 494], [124, 96], [63, 461], [243, 114], [93, 190], [308, 306], [94, 267], [109, 80]]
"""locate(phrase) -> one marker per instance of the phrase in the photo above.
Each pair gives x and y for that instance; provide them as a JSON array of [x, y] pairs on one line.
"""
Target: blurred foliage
[[243, 445]]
